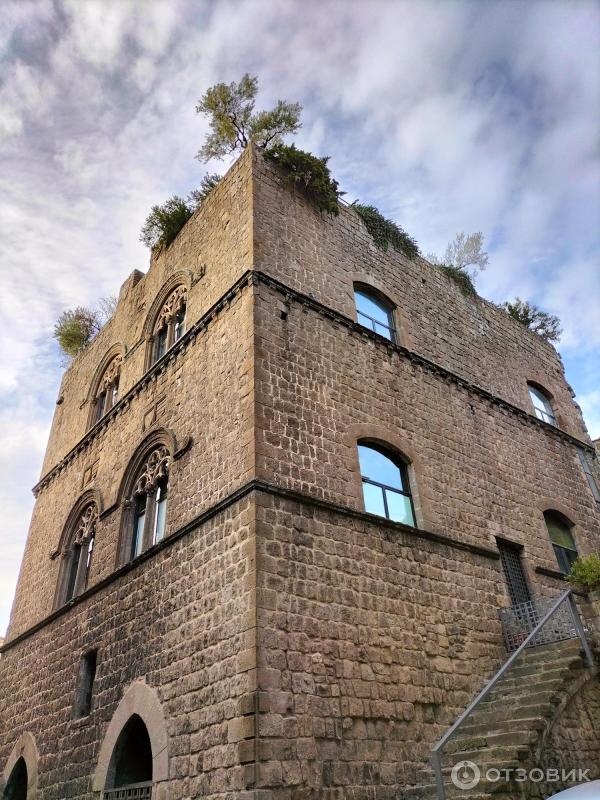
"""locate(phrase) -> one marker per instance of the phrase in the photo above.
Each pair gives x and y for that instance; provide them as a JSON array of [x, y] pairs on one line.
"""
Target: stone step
[[528, 668], [491, 726], [522, 689], [489, 755], [466, 740], [548, 652]]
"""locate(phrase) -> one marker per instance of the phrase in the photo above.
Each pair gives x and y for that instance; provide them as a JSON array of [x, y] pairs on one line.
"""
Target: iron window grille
[[135, 791]]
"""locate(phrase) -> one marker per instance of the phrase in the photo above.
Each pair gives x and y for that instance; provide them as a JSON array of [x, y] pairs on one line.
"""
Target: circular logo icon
[[465, 775]]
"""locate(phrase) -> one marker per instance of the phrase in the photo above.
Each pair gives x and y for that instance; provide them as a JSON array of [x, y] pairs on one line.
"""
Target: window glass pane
[[115, 394], [565, 558], [160, 344], [161, 514], [373, 497], [399, 507], [559, 532], [366, 321], [542, 406], [379, 468], [100, 402], [73, 567], [372, 308], [180, 324], [138, 533], [383, 330]]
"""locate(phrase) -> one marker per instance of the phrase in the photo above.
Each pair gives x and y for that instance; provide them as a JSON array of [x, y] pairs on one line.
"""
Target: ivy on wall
[[308, 172], [386, 232]]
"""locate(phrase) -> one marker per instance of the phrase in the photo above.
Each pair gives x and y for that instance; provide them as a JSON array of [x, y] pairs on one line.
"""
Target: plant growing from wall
[[163, 223], [463, 260], [385, 232], [545, 325], [308, 172], [585, 573], [77, 327]]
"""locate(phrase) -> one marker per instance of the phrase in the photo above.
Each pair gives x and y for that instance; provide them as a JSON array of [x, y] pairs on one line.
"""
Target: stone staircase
[[503, 730]]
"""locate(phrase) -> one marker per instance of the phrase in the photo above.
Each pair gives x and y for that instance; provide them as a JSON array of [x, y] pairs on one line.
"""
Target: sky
[[448, 116]]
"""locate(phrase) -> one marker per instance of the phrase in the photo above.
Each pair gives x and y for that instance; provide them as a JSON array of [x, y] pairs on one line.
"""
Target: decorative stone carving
[[173, 304], [111, 374], [86, 526], [155, 469]]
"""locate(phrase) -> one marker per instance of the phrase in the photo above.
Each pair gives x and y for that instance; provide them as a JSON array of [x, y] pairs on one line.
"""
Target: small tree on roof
[[545, 325]]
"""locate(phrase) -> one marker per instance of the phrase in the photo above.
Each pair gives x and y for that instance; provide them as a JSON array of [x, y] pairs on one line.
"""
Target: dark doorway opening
[[16, 788], [131, 761]]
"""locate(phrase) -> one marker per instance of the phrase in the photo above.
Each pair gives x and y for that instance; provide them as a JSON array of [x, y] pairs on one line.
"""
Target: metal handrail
[[436, 755]]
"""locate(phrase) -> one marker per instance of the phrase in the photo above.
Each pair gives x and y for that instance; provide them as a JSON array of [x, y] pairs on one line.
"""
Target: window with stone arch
[[107, 391], [145, 508], [375, 311], [542, 404], [170, 324], [77, 554], [561, 536], [385, 483]]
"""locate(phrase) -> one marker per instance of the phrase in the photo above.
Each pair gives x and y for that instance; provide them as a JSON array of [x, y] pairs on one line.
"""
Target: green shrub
[[461, 278], [385, 232], [207, 184], [309, 173], [164, 222], [75, 329], [585, 573]]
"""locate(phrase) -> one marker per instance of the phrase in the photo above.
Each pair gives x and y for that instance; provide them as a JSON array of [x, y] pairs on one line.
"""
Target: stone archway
[[140, 700], [24, 751]]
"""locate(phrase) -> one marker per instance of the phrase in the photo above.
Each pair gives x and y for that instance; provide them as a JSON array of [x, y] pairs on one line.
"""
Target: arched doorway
[[131, 763], [16, 788]]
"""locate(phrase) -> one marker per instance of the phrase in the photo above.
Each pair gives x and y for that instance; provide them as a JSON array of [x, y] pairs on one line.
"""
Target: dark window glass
[[589, 474], [85, 684], [72, 576], [114, 395], [100, 403], [374, 314], [139, 519], [179, 324], [16, 788], [562, 540], [541, 405], [160, 343], [386, 489]]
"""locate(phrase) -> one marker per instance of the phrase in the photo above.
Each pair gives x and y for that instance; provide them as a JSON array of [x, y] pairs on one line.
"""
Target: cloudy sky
[[448, 116]]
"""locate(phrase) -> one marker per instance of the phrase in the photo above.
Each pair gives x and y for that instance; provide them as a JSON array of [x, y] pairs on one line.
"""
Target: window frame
[[78, 552], [546, 413], [565, 556], [403, 469], [386, 306], [170, 323]]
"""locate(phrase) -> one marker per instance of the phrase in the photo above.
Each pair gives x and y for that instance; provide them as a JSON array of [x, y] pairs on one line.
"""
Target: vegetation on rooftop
[[77, 327], [386, 232], [463, 259], [545, 325]]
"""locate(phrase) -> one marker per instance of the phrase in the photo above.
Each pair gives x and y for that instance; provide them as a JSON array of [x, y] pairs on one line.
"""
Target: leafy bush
[[164, 222], [461, 278], [545, 325], [207, 184], [585, 573], [385, 232], [310, 173], [76, 328]]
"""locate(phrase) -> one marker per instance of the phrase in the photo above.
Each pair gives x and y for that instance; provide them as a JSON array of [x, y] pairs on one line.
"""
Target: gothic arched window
[[77, 557], [131, 762], [375, 312], [107, 392], [561, 536], [385, 483], [170, 323], [16, 788], [541, 404], [146, 507]]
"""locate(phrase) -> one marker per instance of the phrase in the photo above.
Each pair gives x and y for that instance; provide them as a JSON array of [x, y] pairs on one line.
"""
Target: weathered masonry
[[287, 490]]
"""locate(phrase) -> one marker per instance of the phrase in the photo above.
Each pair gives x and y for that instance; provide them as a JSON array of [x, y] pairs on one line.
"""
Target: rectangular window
[[589, 474], [85, 684]]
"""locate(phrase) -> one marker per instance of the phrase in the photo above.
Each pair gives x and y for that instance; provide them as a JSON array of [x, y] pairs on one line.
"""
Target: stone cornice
[[259, 487], [256, 277]]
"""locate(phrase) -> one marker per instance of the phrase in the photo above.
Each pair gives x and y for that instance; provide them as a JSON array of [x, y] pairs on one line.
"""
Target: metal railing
[[577, 630], [133, 791], [518, 622]]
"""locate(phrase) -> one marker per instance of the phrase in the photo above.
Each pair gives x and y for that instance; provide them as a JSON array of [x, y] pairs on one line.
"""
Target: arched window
[[374, 312], [541, 404], [107, 392], [131, 762], [16, 788], [78, 555], [170, 323], [148, 504], [559, 530], [386, 487]]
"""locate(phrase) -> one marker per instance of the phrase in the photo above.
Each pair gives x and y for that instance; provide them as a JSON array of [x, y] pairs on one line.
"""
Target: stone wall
[[182, 621]]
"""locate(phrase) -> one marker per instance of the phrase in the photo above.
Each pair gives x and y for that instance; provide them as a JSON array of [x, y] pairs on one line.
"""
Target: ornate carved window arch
[[144, 495], [104, 389], [169, 325], [77, 548]]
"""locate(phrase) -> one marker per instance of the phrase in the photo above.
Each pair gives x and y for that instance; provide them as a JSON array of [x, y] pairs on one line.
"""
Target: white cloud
[[448, 116]]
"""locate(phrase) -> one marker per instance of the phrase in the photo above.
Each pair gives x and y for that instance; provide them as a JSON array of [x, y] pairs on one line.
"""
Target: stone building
[[287, 490]]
